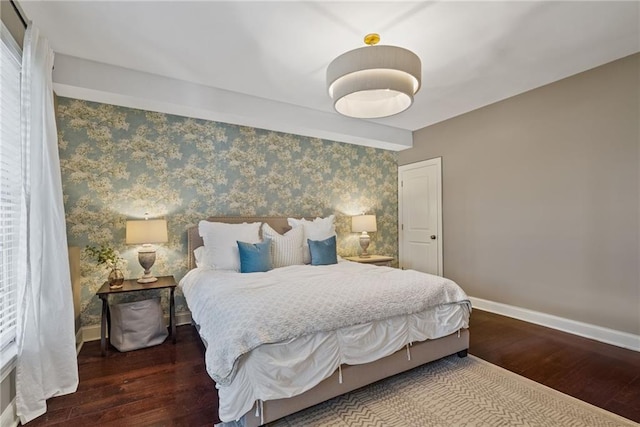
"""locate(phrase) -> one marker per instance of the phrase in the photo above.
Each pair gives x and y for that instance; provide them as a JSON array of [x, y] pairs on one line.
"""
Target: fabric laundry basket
[[137, 324]]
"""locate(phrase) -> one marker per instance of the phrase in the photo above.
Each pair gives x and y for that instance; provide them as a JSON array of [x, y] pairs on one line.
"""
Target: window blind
[[10, 187]]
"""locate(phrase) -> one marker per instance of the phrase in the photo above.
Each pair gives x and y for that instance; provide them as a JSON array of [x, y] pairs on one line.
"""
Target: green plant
[[104, 255]]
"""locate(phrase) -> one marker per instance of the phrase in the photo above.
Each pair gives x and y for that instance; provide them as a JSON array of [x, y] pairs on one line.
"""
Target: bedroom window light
[[10, 193]]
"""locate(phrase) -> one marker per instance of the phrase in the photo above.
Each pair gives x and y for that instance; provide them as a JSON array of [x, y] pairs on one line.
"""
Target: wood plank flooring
[[167, 385], [603, 375]]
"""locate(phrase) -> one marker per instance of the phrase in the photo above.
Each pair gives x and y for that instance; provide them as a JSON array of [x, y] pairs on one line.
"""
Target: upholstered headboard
[[278, 223]]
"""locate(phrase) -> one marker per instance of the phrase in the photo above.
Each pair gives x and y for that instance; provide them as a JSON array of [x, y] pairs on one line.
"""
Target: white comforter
[[248, 310]]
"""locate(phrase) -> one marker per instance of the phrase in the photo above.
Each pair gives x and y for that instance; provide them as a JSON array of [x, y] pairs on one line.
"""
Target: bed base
[[356, 376]]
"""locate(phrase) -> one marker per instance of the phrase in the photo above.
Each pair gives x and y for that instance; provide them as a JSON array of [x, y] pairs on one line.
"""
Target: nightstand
[[384, 261], [132, 285]]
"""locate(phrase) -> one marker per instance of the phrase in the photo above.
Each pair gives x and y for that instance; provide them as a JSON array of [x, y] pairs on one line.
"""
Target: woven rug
[[454, 392]]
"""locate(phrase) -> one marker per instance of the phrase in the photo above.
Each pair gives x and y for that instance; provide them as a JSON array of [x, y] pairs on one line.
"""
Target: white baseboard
[[9, 417], [598, 333], [92, 333]]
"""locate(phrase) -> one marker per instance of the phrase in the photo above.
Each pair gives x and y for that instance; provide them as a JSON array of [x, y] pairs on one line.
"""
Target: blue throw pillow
[[255, 257], [323, 252]]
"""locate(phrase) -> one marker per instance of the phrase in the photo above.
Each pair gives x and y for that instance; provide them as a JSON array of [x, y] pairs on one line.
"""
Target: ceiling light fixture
[[374, 81]]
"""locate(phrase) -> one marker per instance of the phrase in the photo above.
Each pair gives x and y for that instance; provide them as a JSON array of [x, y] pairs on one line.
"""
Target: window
[[10, 191]]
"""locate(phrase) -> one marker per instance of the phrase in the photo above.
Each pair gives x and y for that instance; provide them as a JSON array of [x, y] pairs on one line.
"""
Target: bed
[[285, 367]]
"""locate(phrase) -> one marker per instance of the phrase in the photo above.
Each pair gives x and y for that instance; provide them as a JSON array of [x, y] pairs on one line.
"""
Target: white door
[[420, 216]]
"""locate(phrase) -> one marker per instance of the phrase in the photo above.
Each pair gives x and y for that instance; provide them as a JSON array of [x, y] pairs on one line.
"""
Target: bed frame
[[353, 376]]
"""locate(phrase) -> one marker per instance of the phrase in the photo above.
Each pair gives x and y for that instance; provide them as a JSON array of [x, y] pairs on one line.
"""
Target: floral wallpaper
[[120, 163]]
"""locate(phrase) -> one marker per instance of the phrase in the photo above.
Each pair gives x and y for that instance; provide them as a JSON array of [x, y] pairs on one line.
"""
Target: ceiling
[[263, 63]]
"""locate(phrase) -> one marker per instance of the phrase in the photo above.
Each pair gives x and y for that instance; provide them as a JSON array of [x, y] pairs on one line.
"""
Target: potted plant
[[110, 258]]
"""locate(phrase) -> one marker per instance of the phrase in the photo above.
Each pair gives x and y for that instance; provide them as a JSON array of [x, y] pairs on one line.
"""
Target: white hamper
[[137, 324]]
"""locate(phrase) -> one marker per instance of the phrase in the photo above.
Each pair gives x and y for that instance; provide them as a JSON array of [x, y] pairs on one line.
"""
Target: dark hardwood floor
[[167, 385], [603, 375]]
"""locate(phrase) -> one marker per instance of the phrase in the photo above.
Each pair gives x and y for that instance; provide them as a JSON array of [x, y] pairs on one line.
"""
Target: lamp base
[[146, 258], [364, 244], [147, 279]]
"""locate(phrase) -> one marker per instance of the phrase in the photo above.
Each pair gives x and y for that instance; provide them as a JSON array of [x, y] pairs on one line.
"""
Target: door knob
[[433, 237]]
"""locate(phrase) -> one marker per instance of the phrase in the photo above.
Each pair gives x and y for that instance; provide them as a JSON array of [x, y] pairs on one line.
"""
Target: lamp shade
[[360, 223], [146, 231], [374, 81]]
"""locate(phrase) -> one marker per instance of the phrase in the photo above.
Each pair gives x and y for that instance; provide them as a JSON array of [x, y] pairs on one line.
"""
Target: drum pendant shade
[[374, 81]]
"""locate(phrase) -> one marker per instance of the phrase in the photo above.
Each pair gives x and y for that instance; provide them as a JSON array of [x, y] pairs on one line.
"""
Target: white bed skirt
[[285, 369]]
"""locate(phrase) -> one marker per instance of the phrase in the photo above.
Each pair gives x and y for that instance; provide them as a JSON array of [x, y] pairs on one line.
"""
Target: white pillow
[[318, 229], [198, 253], [220, 242], [286, 249]]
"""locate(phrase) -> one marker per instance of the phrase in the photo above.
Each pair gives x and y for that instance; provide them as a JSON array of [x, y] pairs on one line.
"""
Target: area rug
[[454, 392]]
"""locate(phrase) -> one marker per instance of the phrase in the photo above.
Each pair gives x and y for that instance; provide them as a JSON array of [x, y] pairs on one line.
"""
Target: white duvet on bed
[[369, 312]]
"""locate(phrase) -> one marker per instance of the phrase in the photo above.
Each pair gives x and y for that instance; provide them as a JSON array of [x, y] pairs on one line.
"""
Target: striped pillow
[[285, 249], [317, 229]]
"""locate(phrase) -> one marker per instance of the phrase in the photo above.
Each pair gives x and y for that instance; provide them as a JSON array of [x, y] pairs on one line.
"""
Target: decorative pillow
[[221, 249], [255, 257], [323, 252], [318, 229], [286, 249]]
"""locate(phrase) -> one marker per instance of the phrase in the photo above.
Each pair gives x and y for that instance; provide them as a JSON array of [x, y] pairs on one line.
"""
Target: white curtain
[[46, 364]]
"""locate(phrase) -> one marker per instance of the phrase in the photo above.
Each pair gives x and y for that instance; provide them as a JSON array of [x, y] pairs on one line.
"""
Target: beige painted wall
[[11, 20], [76, 286], [8, 391], [541, 197]]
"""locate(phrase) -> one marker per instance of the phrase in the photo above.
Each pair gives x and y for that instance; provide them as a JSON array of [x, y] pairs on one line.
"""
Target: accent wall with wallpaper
[[119, 163]]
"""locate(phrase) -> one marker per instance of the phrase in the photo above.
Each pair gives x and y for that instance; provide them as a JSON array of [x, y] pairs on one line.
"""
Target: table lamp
[[364, 224], [146, 232]]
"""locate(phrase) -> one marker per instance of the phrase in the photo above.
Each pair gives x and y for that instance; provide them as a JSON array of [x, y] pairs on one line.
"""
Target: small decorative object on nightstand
[[145, 232], [115, 278], [364, 223], [381, 260], [109, 257]]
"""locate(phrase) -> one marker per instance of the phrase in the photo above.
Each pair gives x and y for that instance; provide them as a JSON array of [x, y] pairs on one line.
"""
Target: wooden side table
[[381, 260], [132, 285]]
